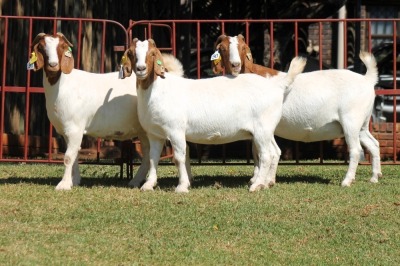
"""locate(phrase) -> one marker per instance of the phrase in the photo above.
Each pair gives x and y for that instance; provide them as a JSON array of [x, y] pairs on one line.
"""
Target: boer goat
[[322, 105], [206, 111], [81, 103]]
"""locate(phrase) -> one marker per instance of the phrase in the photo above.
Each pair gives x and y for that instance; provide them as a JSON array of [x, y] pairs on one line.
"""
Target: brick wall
[[383, 132]]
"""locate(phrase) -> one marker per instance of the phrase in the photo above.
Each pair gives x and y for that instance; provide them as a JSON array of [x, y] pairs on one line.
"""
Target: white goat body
[[81, 103], [317, 110], [322, 105], [209, 111], [100, 104]]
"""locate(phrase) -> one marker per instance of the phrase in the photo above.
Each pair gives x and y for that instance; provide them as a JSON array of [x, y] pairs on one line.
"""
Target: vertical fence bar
[[395, 88], [173, 37], [320, 39], [198, 47], [78, 64], [271, 43], [27, 104], [296, 38], [3, 86]]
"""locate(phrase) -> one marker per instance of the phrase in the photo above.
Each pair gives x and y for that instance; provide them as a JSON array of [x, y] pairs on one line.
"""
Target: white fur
[[212, 111], [234, 57], [329, 104], [98, 105], [51, 49]]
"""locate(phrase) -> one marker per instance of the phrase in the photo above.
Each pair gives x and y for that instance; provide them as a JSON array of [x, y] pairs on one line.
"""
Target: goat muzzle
[[236, 69], [141, 72]]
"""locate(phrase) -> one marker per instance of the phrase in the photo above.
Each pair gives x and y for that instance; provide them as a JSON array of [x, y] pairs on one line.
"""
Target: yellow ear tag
[[216, 57], [216, 61], [33, 58], [123, 59]]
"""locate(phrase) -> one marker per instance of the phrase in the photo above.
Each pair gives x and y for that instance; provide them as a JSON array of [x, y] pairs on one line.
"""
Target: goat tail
[[296, 67], [372, 70], [173, 65]]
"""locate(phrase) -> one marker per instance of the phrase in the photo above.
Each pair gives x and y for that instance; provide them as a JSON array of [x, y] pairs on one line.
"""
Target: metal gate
[[191, 41]]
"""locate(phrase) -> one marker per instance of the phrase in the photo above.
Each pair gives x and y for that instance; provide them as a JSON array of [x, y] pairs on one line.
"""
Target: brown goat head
[[223, 46], [53, 57], [145, 59]]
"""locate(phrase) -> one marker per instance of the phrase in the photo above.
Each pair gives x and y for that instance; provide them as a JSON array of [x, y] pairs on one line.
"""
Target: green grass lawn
[[305, 219]]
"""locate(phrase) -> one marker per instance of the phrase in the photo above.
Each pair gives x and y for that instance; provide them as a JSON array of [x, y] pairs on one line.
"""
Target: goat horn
[[152, 42], [38, 38], [241, 36], [133, 42], [65, 39]]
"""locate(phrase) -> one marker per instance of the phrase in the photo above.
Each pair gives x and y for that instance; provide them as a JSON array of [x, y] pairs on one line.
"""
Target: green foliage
[[305, 219]]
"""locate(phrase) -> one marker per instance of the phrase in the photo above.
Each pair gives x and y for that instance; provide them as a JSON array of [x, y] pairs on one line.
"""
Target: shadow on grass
[[166, 183]]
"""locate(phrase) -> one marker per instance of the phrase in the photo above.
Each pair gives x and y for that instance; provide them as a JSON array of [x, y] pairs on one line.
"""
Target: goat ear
[[159, 68], [37, 56], [67, 61], [65, 39], [220, 38]]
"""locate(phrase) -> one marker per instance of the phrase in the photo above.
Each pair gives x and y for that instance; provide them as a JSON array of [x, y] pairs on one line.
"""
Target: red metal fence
[[192, 41]]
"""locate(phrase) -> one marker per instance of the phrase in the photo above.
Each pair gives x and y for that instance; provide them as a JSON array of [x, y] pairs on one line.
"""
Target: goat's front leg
[[156, 146], [179, 145], [140, 175], [73, 141]]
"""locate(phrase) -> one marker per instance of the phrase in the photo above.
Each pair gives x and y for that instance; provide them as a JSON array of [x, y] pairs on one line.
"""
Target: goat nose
[[235, 64], [141, 68], [53, 64]]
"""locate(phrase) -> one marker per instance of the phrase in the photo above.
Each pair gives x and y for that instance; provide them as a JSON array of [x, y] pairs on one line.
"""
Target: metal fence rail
[[192, 41]]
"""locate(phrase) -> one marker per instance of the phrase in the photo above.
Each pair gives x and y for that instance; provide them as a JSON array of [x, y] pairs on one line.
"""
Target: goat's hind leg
[[372, 145], [355, 149], [275, 156], [256, 163], [263, 146]]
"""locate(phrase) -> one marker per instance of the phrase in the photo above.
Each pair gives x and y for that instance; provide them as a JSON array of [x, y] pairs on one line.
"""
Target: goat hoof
[[347, 183], [374, 180], [147, 187], [256, 187], [63, 186], [182, 189]]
